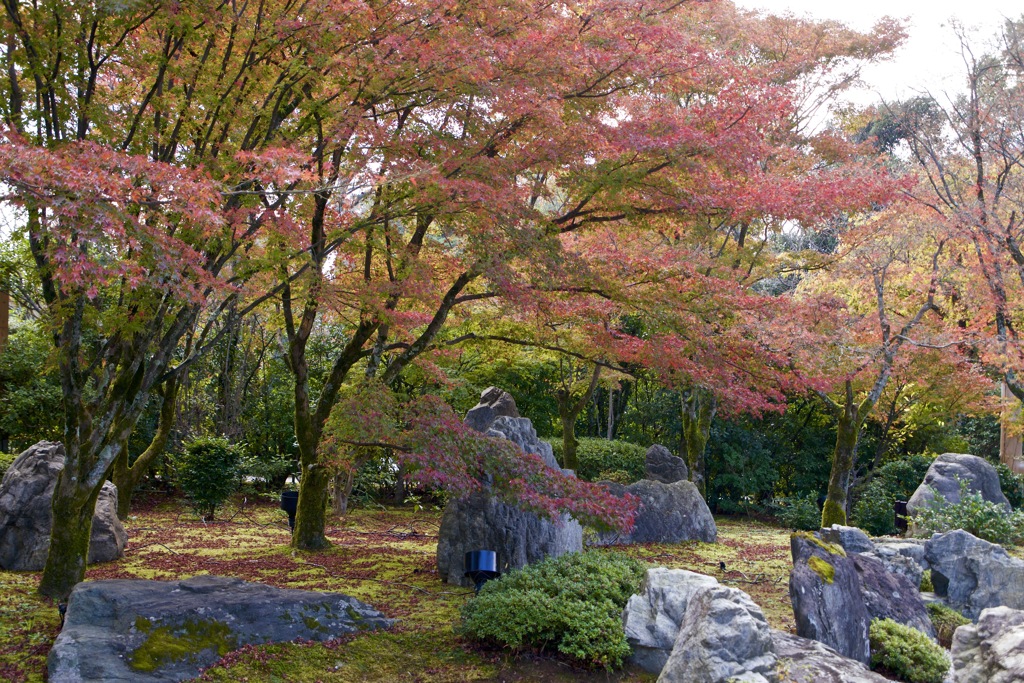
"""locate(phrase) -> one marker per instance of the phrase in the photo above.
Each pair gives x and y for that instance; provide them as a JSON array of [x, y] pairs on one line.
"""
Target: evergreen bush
[[6, 460], [946, 620], [571, 603], [897, 480], [974, 515], [208, 473], [906, 652], [1012, 485], [597, 456]]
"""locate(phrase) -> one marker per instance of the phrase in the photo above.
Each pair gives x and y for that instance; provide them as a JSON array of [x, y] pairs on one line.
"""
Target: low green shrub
[[208, 473], [572, 603], [1012, 485], [6, 459], [974, 515], [926, 582], [799, 512], [906, 652], [945, 620], [266, 473], [598, 456]]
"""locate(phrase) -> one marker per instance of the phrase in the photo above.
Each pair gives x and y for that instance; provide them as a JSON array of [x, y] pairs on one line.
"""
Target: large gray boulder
[[26, 516], [667, 513], [973, 574], [481, 522], [141, 631], [942, 476], [891, 596], [808, 661], [828, 605], [724, 636], [991, 651], [661, 465], [653, 616], [493, 403]]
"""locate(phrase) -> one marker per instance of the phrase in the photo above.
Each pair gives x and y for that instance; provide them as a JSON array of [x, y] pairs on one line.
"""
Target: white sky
[[929, 59]]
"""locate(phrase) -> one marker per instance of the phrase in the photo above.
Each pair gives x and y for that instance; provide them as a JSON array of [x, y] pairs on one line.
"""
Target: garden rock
[[891, 596], [991, 651], [973, 574], [667, 513], [481, 522], [808, 661], [147, 631], [494, 402], [723, 636], [662, 466], [981, 477], [653, 616], [852, 539], [26, 515], [905, 558], [828, 605]]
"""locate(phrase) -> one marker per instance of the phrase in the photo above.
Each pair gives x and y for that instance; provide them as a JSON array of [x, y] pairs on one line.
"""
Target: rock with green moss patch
[[148, 631], [826, 594]]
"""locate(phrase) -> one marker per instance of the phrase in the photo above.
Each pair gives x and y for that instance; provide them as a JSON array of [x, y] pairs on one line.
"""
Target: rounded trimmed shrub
[[598, 456], [571, 603], [208, 473], [906, 652]]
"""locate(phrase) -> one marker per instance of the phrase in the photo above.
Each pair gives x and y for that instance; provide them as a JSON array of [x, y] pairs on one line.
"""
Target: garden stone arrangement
[[944, 477], [688, 627], [142, 631], [26, 516], [991, 651], [480, 522], [972, 574]]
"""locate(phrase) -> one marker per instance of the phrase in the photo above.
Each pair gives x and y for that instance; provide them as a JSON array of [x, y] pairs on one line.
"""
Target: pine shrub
[[208, 473], [571, 603], [907, 653]]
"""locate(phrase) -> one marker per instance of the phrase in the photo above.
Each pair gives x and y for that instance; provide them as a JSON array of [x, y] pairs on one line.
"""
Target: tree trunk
[[698, 411], [399, 496], [126, 478], [611, 414], [568, 411], [69, 538], [311, 514], [342, 490], [851, 416]]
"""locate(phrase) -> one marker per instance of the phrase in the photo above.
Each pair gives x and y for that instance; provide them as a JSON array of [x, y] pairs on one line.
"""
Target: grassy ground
[[383, 557]]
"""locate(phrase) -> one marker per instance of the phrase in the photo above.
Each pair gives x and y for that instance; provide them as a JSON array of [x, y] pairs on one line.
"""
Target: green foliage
[[893, 481], [267, 472], [31, 404], [798, 512], [981, 435], [208, 473], [907, 653], [1012, 485], [598, 456], [572, 603], [946, 620], [6, 459], [926, 582], [751, 461], [974, 515]]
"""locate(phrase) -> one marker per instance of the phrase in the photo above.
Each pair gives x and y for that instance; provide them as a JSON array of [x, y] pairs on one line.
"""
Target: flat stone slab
[[149, 631]]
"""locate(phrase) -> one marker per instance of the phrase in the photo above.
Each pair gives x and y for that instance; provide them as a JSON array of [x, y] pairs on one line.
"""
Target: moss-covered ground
[[382, 556]]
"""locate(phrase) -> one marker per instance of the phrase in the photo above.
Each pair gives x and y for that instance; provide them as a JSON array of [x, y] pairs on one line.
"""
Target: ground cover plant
[[385, 557]]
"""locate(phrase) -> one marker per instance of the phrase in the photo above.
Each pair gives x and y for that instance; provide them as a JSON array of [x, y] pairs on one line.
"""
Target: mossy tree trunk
[[126, 477], [850, 417], [69, 538], [569, 409], [698, 411]]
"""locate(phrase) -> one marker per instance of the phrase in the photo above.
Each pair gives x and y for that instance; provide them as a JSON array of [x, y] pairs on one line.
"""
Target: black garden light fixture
[[481, 566], [290, 503], [900, 512]]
